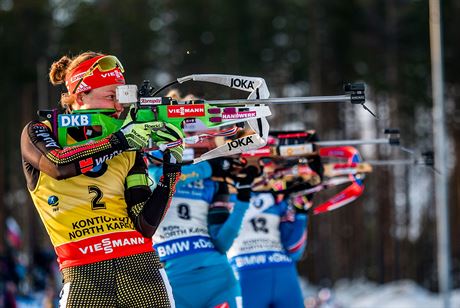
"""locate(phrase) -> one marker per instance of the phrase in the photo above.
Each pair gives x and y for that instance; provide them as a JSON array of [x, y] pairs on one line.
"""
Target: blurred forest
[[300, 47]]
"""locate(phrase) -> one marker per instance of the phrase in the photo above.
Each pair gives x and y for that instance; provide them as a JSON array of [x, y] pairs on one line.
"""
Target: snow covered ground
[[347, 294], [365, 294]]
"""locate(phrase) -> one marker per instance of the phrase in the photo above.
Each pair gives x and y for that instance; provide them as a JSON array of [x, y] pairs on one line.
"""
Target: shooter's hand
[[302, 204], [244, 181], [224, 166], [136, 134], [168, 135]]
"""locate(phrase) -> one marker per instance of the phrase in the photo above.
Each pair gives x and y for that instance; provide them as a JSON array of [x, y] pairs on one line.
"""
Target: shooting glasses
[[105, 64]]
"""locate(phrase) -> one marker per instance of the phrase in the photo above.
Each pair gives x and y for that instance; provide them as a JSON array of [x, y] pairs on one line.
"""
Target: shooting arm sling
[[147, 208]]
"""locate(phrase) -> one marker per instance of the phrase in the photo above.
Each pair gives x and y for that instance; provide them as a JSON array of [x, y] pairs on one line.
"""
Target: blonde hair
[[176, 95], [59, 70]]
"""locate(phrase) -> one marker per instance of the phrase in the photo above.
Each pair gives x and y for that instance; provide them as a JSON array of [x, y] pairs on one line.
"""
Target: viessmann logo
[[107, 245], [186, 111]]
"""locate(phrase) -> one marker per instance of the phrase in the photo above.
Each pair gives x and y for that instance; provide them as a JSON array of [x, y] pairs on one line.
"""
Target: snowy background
[[365, 294], [345, 294]]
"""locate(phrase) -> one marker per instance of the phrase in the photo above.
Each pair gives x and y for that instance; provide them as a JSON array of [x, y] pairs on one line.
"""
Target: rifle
[[194, 115], [218, 113], [296, 144], [352, 171], [301, 170], [353, 191]]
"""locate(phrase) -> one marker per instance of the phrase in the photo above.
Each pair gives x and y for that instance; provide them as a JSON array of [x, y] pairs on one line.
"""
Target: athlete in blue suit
[[197, 231], [272, 238]]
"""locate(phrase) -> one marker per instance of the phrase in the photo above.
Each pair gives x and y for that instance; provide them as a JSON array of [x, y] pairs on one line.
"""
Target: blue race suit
[[193, 238], [271, 239]]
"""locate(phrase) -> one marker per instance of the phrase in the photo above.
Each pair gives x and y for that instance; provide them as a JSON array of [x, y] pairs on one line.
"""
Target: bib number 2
[[96, 203]]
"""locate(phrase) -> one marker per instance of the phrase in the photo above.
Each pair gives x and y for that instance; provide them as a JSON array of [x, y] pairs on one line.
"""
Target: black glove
[[302, 204], [222, 166], [243, 182], [168, 167], [316, 165]]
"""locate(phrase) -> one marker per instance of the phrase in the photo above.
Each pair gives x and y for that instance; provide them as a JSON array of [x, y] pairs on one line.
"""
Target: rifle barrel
[[286, 100], [393, 162], [353, 142]]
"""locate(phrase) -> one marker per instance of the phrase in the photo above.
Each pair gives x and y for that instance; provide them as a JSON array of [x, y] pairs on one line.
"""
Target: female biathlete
[[272, 238], [197, 231], [93, 198]]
